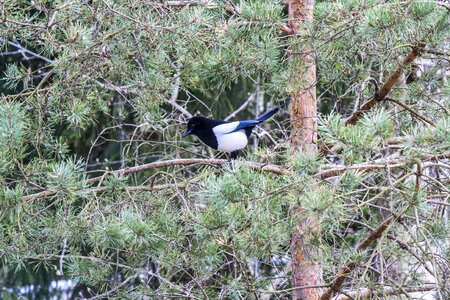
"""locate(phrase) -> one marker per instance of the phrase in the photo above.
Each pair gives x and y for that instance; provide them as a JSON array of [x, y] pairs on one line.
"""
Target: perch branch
[[276, 169], [168, 163]]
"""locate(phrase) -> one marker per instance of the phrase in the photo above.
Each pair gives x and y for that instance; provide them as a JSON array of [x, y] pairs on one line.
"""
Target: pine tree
[[98, 186]]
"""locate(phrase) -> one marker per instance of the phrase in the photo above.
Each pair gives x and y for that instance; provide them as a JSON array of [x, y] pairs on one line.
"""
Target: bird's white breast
[[227, 140], [232, 141]]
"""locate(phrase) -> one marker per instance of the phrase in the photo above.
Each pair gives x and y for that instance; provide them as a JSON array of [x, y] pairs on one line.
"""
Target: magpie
[[227, 136]]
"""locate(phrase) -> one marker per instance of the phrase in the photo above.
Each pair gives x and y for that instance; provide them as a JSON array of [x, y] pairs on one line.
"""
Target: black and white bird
[[227, 136]]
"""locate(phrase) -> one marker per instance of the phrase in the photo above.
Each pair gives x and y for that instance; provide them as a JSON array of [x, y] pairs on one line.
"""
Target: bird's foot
[[232, 158]]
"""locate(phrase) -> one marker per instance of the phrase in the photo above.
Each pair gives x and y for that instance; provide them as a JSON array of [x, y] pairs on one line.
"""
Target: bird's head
[[193, 126]]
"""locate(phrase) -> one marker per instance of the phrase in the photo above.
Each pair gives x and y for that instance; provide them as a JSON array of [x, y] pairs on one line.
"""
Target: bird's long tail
[[272, 111]]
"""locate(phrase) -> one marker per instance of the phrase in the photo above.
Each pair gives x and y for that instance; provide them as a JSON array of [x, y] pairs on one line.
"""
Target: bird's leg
[[231, 158], [233, 155]]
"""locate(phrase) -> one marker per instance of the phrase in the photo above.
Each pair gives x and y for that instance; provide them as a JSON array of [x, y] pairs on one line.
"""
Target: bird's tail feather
[[272, 111]]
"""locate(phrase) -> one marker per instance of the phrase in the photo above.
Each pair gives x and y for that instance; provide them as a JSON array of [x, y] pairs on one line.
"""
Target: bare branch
[[411, 111], [386, 88], [25, 51], [208, 4], [240, 108], [176, 90]]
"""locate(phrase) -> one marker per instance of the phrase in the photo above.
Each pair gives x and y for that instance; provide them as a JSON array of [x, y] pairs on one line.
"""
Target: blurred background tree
[[89, 87]]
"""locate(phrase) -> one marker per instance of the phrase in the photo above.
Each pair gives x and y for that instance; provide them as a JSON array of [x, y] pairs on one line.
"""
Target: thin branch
[[109, 293], [386, 88], [42, 194], [276, 169], [143, 188], [122, 90], [176, 90], [275, 282], [405, 247], [60, 272], [443, 4], [24, 51], [208, 4], [240, 108], [10, 53], [438, 202], [411, 111], [115, 162], [360, 167], [5, 20], [388, 164]]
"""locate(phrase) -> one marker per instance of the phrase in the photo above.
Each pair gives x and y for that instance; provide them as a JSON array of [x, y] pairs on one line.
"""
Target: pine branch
[[112, 291], [386, 291], [337, 283], [168, 163], [240, 108], [208, 4], [176, 90], [388, 164], [189, 162], [276, 169], [381, 94], [443, 4]]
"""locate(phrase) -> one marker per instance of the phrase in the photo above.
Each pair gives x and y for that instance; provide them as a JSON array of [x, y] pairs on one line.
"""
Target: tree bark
[[303, 106], [306, 271]]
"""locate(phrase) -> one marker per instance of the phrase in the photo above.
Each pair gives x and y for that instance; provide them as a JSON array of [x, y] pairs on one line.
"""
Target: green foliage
[[66, 178], [358, 142], [13, 135], [429, 139], [305, 163], [349, 181], [13, 76], [90, 272], [238, 205]]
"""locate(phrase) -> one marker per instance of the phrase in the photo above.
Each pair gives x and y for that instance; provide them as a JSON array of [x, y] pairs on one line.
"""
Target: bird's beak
[[186, 133]]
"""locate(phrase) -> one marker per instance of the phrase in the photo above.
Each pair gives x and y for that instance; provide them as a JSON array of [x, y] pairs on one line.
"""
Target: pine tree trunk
[[304, 107], [306, 271]]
